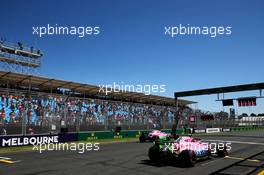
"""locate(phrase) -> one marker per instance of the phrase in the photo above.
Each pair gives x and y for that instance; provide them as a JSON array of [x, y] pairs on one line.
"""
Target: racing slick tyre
[[154, 153], [187, 158], [142, 138], [221, 153]]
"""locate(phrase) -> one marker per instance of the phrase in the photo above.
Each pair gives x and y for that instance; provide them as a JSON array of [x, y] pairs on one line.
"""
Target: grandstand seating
[[44, 111]]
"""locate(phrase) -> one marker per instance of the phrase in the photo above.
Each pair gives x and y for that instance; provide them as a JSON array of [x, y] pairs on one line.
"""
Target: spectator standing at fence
[[31, 131]]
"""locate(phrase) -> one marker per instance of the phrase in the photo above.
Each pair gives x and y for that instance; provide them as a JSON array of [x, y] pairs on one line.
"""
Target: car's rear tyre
[[187, 158], [142, 138], [154, 153]]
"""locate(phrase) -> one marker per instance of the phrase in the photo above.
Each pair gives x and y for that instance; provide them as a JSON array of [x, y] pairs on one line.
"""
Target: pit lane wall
[[20, 140]]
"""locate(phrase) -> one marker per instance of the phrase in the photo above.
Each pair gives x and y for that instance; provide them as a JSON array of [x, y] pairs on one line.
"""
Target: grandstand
[[34, 104]]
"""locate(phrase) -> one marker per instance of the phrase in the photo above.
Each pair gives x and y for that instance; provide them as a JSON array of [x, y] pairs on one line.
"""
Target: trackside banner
[[10, 141], [212, 130], [199, 131], [226, 129]]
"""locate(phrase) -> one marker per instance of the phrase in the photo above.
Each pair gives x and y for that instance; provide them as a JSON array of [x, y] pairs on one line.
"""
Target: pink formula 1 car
[[186, 150], [153, 135]]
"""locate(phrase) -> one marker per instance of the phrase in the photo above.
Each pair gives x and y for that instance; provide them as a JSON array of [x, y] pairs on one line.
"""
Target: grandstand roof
[[50, 85]]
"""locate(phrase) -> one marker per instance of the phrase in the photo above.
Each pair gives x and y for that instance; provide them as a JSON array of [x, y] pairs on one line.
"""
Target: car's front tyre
[[221, 153]]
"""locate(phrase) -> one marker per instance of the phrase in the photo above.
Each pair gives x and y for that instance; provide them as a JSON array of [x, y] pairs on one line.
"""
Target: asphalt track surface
[[246, 157]]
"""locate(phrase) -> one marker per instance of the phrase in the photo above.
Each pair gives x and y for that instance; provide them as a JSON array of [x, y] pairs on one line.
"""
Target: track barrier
[[20, 140]]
